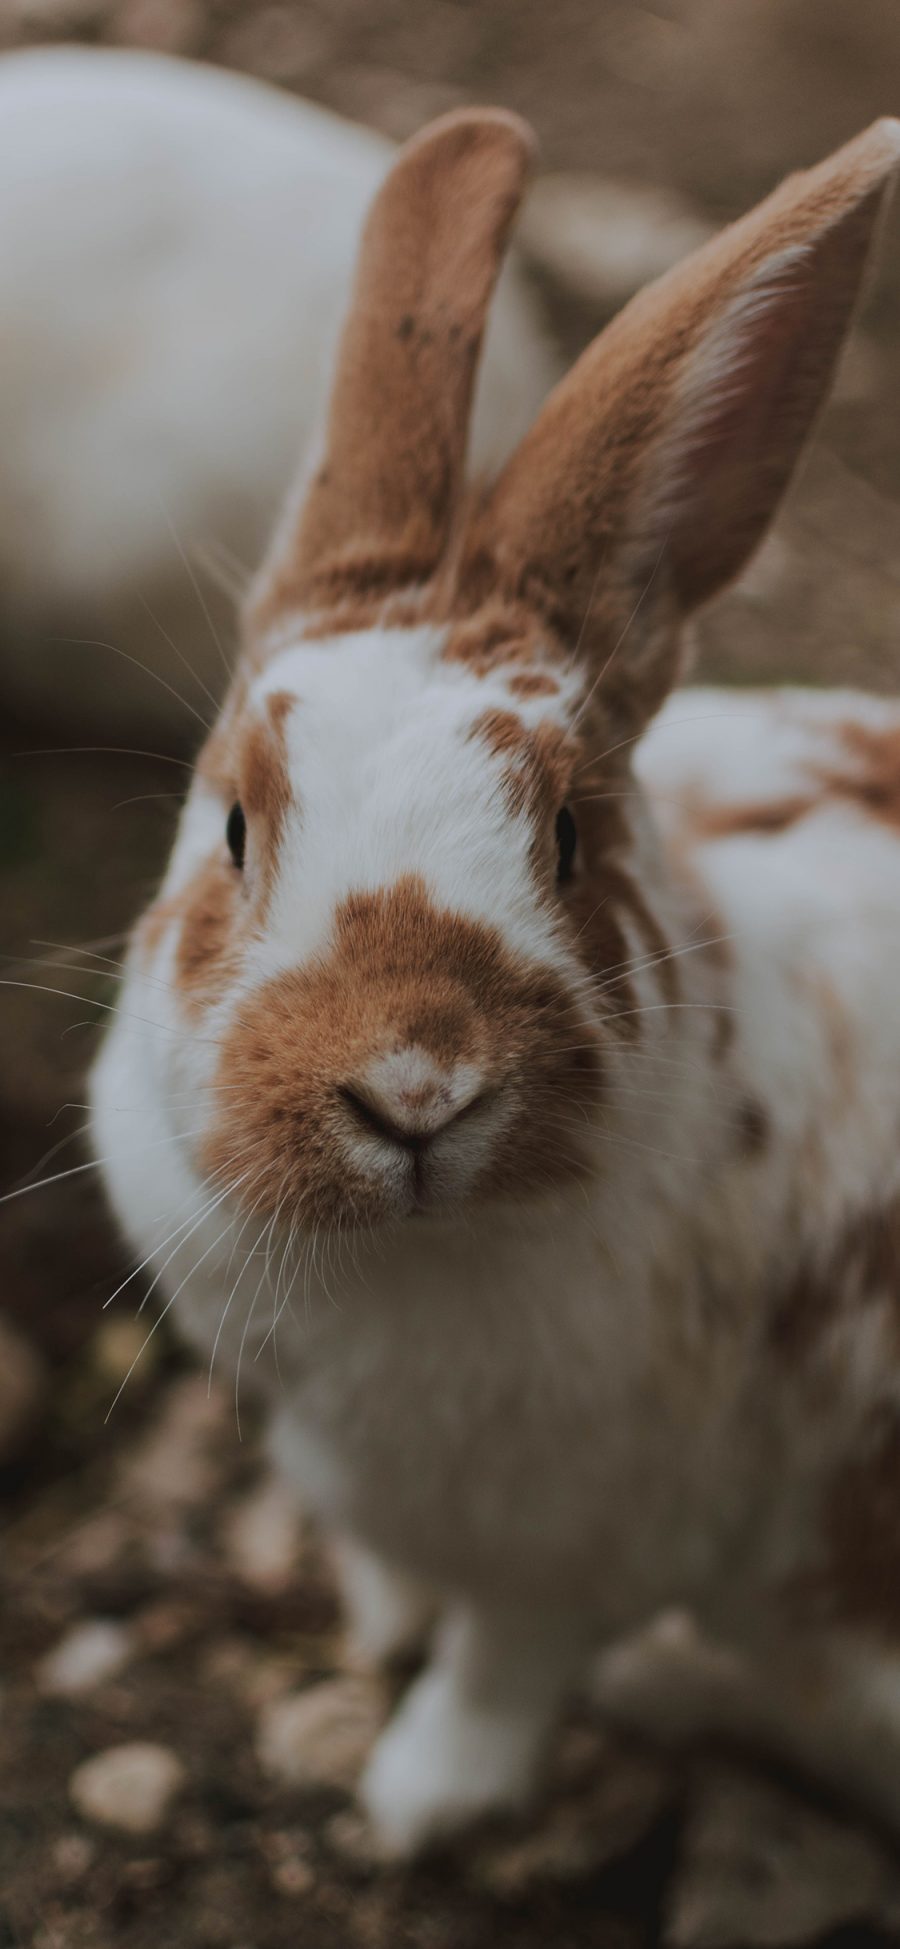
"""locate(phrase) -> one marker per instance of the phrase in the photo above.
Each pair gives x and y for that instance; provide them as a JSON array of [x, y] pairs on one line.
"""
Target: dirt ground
[[155, 1588]]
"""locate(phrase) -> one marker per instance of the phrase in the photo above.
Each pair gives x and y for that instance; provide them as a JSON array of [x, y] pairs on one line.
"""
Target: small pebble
[[293, 1876], [91, 1652], [319, 1737], [761, 1866], [72, 1855], [263, 1536], [172, 1467], [576, 1837], [120, 1345], [349, 1835], [130, 1787]]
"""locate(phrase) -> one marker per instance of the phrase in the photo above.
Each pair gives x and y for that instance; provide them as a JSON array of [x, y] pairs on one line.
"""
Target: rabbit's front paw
[[444, 1762]]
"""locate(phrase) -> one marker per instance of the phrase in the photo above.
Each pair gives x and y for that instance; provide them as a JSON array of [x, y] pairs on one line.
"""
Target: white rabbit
[[176, 248], [544, 1108]]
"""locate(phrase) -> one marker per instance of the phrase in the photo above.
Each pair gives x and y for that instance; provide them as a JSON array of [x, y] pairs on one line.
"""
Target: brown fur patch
[[205, 913], [872, 782], [531, 683], [245, 761], [538, 766], [756, 817], [263, 779], [853, 1575], [754, 1128], [861, 1585], [875, 780], [862, 1267], [402, 971], [204, 962], [492, 634]]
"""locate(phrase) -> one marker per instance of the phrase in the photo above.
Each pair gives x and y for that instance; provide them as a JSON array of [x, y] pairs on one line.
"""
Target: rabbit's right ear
[[655, 467], [377, 513]]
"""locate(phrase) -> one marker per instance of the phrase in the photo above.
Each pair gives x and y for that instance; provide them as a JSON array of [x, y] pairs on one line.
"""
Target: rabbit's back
[[783, 807]]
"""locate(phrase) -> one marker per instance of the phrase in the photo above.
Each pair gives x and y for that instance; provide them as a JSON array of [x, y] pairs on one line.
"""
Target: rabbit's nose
[[405, 1098]]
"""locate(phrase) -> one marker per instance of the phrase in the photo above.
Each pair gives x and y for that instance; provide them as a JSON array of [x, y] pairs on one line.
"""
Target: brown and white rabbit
[[531, 1077]]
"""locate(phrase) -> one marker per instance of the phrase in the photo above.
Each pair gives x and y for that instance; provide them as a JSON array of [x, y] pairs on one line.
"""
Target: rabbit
[[504, 1082], [176, 246]]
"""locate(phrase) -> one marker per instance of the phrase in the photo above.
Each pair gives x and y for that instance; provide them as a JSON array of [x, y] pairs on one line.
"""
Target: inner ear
[[742, 404]]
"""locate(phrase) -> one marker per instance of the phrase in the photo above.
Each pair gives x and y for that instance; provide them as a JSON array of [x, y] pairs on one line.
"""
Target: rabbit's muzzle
[[419, 1066]]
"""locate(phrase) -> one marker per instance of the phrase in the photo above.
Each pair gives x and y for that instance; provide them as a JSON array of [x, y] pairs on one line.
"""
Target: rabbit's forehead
[[370, 686], [402, 762]]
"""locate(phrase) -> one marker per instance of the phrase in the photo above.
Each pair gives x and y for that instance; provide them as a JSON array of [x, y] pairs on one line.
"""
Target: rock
[[289, 1863], [603, 240], [293, 1876], [130, 1787], [71, 1855], [91, 1652], [120, 1346], [763, 1867], [94, 1545], [255, 1679], [161, 1626], [22, 1388], [321, 1736], [172, 1467], [262, 1536], [578, 1837], [349, 1835]]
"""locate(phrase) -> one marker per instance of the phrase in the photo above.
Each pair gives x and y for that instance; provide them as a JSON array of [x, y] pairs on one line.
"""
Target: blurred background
[[157, 1591]]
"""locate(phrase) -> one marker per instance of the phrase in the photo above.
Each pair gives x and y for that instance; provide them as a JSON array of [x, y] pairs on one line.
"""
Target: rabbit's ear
[[665, 451], [377, 511]]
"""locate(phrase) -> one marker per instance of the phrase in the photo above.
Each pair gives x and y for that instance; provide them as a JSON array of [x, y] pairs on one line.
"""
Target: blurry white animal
[[176, 249]]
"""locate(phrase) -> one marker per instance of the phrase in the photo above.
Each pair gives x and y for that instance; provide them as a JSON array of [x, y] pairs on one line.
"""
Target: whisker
[[187, 665], [197, 591], [111, 1008], [228, 1303], [97, 643], [92, 1164], [103, 750], [144, 798], [54, 1151], [620, 640], [159, 1320]]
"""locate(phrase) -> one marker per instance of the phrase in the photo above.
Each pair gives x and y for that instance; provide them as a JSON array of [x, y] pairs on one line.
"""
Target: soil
[[131, 1519]]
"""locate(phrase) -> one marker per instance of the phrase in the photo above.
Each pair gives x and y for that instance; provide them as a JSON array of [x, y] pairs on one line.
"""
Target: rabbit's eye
[[236, 835], [566, 843]]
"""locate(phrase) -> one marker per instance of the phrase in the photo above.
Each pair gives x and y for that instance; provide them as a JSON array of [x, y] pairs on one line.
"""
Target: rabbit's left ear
[[666, 450], [377, 512]]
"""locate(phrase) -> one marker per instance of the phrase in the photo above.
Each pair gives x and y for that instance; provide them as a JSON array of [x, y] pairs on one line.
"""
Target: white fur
[[176, 249]]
